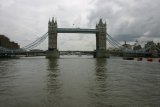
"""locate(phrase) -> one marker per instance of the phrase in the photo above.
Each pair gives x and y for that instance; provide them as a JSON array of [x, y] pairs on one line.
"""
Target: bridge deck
[[76, 30]]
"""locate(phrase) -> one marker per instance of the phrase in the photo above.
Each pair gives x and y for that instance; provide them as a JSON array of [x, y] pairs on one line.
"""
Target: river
[[78, 81]]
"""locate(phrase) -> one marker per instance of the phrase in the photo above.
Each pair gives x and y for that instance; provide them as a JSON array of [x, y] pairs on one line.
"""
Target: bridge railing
[[76, 30], [10, 51]]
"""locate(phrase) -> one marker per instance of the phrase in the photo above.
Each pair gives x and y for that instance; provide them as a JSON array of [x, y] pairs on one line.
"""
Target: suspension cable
[[112, 43], [114, 40], [36, 42]]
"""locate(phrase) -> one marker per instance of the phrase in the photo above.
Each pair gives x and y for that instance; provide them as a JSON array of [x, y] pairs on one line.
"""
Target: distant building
[[151, 47], [128, 46], [158, 47], [138, 47], [149, 44], [6, 43]]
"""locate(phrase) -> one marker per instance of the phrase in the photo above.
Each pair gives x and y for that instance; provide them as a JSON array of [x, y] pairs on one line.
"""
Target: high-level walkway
[[76, 30]]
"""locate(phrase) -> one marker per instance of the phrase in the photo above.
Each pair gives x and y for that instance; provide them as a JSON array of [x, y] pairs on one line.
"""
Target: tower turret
[[52, 39], [101, 39], [52, 26], [49, 22], [101, 26]]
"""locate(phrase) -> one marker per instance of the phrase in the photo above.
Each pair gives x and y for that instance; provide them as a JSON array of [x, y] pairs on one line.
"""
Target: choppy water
[[78, 82]]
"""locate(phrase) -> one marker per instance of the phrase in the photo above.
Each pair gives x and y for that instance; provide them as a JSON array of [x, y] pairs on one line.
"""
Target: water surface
[[74, 81]]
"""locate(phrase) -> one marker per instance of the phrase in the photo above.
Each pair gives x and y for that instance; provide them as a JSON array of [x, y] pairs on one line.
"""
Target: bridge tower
[[101, 40], [52, 40]]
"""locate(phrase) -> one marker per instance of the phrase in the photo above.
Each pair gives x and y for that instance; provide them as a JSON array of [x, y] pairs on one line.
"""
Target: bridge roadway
[[43, 53], [76, 30]]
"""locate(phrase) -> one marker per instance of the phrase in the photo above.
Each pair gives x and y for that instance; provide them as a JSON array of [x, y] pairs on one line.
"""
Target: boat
[[150, 59], [128, 58], [139, 59]]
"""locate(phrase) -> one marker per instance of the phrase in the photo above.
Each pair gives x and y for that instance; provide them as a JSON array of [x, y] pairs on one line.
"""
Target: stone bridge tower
[[101, 40], [52, 39]]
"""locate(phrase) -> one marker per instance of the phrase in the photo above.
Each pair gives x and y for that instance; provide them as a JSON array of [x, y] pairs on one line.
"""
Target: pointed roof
[[55, 21], [49, 21], [52, 19], [100, 21]]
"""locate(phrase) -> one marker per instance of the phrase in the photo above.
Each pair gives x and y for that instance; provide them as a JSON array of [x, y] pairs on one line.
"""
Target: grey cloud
[[129, 19]]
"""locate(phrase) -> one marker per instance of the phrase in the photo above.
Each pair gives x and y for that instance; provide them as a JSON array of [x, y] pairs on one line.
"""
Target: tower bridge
[[102, 37], [100, 33]]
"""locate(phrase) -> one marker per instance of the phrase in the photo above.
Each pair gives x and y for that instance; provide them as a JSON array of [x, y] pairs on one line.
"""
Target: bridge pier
[[101, 54], [101, 38], [52, 40], [53, 54]]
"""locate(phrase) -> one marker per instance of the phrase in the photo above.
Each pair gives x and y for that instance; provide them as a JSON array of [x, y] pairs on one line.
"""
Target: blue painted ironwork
[[76, 30]]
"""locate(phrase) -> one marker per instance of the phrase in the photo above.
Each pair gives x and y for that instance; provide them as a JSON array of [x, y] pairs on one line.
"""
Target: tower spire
[[100, 21], [55, 22], [52, 19], [49, 21]]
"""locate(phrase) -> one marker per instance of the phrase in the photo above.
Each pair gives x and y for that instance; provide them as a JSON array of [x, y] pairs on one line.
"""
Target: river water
[[74, 81]]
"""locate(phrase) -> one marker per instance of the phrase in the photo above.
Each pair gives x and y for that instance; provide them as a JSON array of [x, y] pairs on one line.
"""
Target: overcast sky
[[23, 21]]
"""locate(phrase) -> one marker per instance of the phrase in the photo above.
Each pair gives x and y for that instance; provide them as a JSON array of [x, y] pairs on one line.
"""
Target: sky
[[24, 21]]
